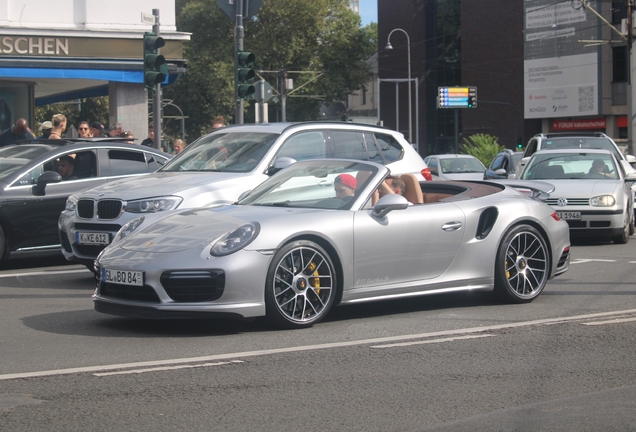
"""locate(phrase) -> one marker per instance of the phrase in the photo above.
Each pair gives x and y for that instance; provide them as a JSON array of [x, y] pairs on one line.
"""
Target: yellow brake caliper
[[315, 282]]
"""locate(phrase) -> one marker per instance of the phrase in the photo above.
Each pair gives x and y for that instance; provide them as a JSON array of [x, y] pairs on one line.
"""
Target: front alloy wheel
[[300, 286], [522, 267]]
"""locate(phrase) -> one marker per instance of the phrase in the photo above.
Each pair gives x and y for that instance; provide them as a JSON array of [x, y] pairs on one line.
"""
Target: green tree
[[319, 43], [483, 146]]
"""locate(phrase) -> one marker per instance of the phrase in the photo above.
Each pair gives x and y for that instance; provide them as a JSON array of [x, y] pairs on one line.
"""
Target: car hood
[[160, 183], [583, 188], [198, 227]]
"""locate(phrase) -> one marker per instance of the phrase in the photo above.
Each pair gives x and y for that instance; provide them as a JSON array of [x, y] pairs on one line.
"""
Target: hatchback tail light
[[426, 173]]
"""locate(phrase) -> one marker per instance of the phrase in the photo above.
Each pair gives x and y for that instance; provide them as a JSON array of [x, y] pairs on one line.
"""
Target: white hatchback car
[[217, 168]]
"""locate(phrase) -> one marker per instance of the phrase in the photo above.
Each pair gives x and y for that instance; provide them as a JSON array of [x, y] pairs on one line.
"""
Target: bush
[[483, 146]]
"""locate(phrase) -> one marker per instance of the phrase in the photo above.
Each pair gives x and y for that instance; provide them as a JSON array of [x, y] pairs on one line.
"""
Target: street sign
[[147, 18], [263, 91], [249, 7], [457, 97]]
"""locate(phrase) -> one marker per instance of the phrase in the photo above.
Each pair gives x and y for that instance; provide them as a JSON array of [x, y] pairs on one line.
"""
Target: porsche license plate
[[123, 277], [569, 215], [92, 238]]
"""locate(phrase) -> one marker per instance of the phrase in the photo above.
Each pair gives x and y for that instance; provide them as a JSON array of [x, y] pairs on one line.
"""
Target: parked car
[[32, 193], [217, 168], [579, 140], [291, 250], [503, 165], [592, 191], [455, 167]]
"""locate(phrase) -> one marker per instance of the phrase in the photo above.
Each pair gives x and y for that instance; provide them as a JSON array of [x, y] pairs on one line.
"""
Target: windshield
[[12, 158], [582, 166], [581, 143], [316, 184], [230, 151], [462, 165]]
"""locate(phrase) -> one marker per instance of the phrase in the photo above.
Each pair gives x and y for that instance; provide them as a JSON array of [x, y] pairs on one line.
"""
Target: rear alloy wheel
[[522, 266], [624, 236], [301, 285]]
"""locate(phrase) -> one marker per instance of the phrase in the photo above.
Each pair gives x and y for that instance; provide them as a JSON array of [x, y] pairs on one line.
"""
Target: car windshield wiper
[[280, 204]]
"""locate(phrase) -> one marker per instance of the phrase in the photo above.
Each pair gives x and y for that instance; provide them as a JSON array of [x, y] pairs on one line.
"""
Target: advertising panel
[[561, 76]]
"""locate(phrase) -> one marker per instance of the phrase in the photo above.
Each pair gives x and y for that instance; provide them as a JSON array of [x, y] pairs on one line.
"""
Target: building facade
[[528, 60], [74, 49]]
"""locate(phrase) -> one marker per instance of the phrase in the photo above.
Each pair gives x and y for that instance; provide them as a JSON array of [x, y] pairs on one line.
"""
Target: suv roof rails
[[573, 134]]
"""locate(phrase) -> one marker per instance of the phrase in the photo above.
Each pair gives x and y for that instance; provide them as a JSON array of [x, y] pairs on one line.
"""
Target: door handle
[[452, 226]]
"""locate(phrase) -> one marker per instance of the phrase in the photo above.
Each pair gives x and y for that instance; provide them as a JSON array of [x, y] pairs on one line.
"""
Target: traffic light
[[155, 67], [245, 74]]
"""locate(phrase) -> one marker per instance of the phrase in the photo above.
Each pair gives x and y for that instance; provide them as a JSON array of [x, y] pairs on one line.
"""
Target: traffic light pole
[[239, 34], [156, 100]]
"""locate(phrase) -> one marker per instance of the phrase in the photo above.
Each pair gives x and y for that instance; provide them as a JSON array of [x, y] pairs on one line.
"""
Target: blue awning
[[96, 74]]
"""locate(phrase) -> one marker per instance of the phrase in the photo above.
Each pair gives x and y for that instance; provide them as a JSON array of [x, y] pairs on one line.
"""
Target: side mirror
[[630, 177], [501, 172], [630, 158], [44, 179], [280, 164], [389, 203]]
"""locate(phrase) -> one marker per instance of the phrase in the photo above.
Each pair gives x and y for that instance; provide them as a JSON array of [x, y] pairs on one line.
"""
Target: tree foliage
[[483, 146], [319, 43]]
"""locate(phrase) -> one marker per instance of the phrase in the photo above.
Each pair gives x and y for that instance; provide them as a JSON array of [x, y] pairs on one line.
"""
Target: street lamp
[[388, 47]]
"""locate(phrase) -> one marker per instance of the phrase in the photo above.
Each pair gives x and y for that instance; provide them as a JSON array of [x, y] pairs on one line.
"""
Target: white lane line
[[138, 371], [302, 348], [430, 341], [614, 321], [42, 273]]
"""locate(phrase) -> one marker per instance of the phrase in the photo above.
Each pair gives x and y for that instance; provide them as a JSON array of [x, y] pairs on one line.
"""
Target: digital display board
[[457, 97]]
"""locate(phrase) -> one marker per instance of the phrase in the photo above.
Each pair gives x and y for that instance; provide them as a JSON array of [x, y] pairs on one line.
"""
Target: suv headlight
[[602, 201], [127, 229], [153, 205], [71, 203], [235, 240]]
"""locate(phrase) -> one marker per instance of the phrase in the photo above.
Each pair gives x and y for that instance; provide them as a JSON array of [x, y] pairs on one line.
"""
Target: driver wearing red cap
[[345, 186]]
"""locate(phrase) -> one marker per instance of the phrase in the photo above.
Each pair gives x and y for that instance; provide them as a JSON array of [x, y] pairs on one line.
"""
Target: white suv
[[217, 168]]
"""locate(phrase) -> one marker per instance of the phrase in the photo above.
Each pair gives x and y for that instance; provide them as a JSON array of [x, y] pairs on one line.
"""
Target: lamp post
[[408, 46]]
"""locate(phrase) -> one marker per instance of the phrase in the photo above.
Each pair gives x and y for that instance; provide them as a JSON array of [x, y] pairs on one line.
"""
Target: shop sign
[[587, 124]]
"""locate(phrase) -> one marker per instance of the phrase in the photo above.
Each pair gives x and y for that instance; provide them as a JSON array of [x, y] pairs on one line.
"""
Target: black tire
[[624, 236], [522, 266], [632, 226], [301, 285], [4, 247]]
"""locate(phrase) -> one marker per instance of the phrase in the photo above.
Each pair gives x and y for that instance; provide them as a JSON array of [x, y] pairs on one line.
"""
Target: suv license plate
[[92, 238], [123, 277], [569, 215]]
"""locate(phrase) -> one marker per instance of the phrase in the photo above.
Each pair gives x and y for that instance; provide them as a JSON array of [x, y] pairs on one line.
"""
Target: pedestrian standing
[[150, 141], [19, 131], [83, 129], [59, 126]]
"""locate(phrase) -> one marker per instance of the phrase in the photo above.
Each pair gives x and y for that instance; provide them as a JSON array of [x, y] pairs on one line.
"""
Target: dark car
[[503, 165], [33, 193]]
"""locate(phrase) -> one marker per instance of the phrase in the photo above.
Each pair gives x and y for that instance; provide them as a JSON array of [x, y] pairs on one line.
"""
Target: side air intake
[[486, 222]]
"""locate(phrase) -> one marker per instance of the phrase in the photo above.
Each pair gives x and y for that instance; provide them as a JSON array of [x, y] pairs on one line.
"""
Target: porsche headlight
[[235, 240], [71, 203], [602, 201], [128, 229], [153, 205]]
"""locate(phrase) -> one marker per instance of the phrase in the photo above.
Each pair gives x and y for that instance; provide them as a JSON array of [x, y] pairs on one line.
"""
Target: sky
[[368, 11]]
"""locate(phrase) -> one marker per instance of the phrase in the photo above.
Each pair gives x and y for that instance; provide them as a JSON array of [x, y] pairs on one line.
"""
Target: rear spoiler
[[537, 190]]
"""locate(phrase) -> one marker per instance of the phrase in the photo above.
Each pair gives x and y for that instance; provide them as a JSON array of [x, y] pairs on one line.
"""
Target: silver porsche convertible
[[318, 234]]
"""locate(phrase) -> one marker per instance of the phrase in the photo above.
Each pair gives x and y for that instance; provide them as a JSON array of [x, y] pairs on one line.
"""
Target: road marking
[[614, 321], [42, 273], [403, 344], [235, 355], [585, 260], [138, 371]]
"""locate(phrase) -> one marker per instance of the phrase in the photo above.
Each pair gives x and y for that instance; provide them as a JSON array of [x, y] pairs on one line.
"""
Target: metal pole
[[283, 94], [408, 46], [417, 116], [156, 100], [397, 108], [239, 33]]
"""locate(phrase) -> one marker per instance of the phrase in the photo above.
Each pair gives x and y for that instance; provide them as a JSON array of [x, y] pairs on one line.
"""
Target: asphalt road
[[439, 363]]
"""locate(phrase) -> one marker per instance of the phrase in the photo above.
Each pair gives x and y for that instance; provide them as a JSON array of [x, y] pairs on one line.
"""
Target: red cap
[[347, 180]]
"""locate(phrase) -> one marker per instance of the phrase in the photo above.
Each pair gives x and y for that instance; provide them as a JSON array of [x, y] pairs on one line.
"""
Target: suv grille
[[85, 208], [108, 209]]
